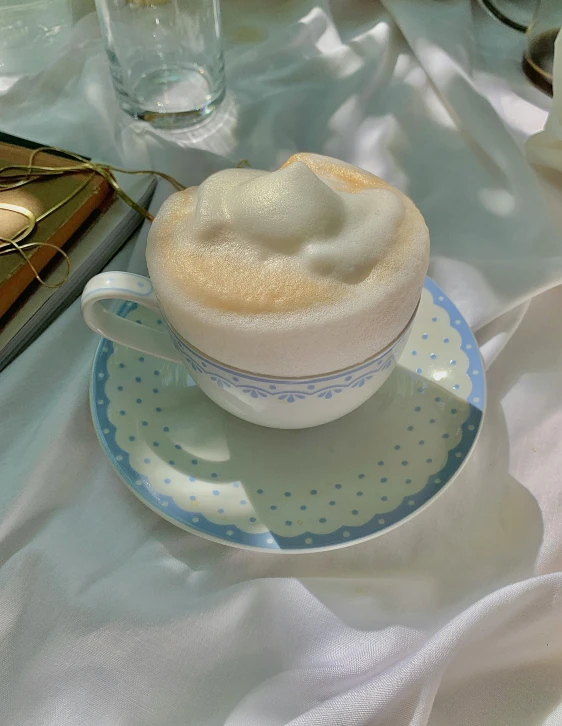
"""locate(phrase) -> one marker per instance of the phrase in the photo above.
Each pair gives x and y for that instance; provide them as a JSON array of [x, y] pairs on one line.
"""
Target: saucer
[[296, 491]]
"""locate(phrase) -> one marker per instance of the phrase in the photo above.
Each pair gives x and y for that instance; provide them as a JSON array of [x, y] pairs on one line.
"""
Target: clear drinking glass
[[165, 58], [538, 61]]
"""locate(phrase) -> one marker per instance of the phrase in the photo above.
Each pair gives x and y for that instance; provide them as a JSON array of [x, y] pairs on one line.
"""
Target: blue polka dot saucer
[[285, 490]]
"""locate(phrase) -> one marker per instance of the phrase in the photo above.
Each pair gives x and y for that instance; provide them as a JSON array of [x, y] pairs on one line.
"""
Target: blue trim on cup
[[308, 540], [200, 364], [287, 390]]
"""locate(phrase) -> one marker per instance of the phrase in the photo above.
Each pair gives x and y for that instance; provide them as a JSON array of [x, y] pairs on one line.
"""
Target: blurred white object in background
[[32, 33]]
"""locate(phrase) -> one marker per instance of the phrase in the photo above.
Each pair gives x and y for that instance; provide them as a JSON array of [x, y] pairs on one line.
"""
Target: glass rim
[[502, 17]]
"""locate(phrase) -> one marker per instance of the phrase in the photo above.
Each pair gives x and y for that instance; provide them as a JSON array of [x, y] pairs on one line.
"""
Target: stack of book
[[90, 228]]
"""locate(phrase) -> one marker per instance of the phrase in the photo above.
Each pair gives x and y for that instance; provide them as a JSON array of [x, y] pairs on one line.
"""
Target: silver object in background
[[165, 58], [32, 33], [515, 13], [538, 61]]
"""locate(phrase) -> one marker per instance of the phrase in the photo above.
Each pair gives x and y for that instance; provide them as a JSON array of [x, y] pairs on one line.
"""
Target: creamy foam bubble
[[304, 270]]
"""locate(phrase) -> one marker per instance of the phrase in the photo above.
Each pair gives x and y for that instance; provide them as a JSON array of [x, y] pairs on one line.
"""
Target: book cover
[[57, 228]]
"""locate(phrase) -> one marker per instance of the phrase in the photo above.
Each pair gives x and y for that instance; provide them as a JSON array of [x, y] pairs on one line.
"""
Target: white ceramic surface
[[293, 491], [287, 403]]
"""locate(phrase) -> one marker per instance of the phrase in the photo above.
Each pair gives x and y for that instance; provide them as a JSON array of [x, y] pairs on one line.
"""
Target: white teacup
[[285, 403]]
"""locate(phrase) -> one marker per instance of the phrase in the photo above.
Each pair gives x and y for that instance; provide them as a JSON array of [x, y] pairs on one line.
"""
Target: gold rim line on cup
[[339, 371]]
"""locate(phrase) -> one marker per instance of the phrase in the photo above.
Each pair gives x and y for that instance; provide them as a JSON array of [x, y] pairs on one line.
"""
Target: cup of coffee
[[288, 295]]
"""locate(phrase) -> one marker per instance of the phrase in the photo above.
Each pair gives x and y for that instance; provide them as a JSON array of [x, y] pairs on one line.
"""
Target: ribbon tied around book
[[15, 176]]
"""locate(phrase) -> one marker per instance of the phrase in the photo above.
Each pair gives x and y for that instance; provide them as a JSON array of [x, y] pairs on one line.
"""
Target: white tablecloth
[[111, 616]]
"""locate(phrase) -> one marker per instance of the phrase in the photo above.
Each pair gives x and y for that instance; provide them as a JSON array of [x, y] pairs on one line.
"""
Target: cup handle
[[131, 288]]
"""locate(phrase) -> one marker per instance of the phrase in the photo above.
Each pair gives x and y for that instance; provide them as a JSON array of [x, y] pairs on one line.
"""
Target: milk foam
[[304, 270]]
